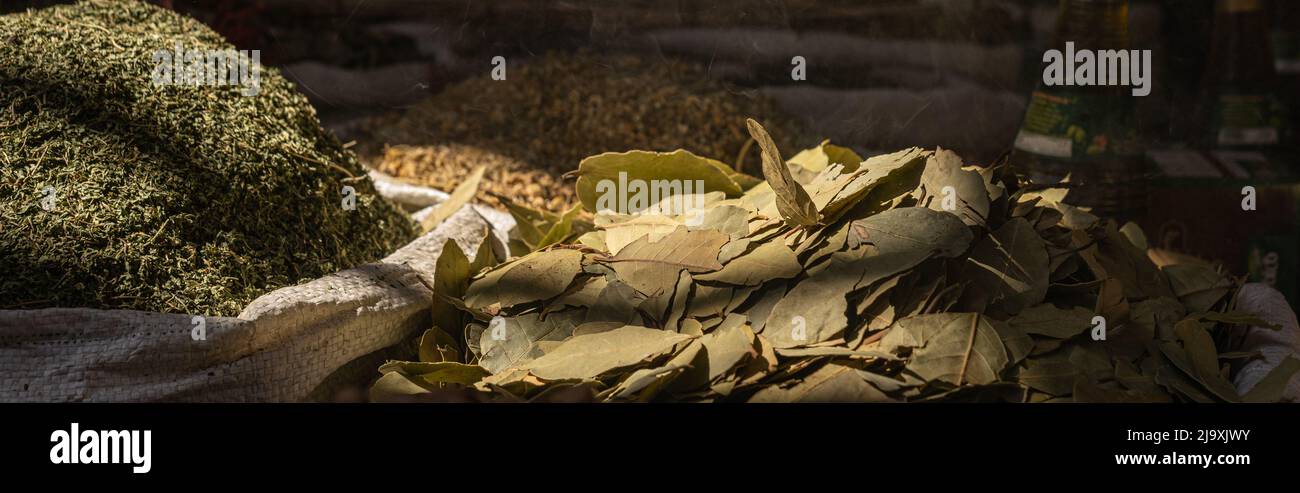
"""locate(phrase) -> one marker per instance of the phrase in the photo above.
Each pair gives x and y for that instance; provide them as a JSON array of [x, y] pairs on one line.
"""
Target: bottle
[[1286, 63], [1086, 133], [1239, 107]]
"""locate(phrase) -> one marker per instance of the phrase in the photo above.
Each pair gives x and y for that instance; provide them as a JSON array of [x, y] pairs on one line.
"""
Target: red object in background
[[237, 21]]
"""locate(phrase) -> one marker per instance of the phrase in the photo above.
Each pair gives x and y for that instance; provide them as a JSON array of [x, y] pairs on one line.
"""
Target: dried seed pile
[[900, 278], [196, 199], [444, 166], [551, 112]]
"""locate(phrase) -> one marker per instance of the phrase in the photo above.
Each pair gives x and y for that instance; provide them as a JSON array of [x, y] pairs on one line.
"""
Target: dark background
[[882, 75]]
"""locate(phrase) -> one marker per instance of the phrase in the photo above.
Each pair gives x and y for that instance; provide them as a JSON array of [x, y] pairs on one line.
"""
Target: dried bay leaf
[[696, 251], [436, 374], [1009, 269], [562, 229], [943, 175], [1047, 320], [1198, 286], [623, 230], [1086, 390], [792, 201], [813, 311], [728, 219], [1203, 358], [727, 347], [1157, 317], [761, 304], [616, 303], [536, 276], [709, 301], [644, 384], [653, 268], [956, 348], [1121, 260], [830, 383], [819, 158], [595, 355], [519, 339], [458, 198], [887, 293], [583, 294], [1053, 374], [437, 345], [450, 277], [836, 351], [771, 260], [915, 229], [1236, 318], [902, 168], [618, 170], [733, 249]]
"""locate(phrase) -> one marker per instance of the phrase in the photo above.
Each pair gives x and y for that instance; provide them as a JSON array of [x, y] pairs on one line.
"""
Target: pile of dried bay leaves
[[903, 277]]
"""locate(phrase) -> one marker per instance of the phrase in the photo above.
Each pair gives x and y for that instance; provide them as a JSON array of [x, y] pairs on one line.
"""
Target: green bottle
[[1086, 132], [1239, 104]]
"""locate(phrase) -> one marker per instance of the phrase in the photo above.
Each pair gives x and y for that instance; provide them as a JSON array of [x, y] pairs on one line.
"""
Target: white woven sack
[[281, 348], [1273, 346]]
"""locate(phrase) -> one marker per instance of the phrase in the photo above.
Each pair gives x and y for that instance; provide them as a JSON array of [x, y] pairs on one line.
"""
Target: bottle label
[[1246, 120], [1286, 52], [1075, 125], [1235, 6]]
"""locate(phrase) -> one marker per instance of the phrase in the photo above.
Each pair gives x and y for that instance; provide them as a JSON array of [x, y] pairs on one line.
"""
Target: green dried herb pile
[[122, 194]]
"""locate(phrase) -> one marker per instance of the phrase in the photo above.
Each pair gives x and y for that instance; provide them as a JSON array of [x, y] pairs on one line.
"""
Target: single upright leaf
[[458, 198], [450, 276], [793, 202]]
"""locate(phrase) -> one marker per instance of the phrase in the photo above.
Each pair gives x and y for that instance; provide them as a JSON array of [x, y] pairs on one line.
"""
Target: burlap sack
[[286, 346]]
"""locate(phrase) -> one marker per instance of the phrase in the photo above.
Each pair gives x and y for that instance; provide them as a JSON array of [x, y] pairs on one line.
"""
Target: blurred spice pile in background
[[549, 114]]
